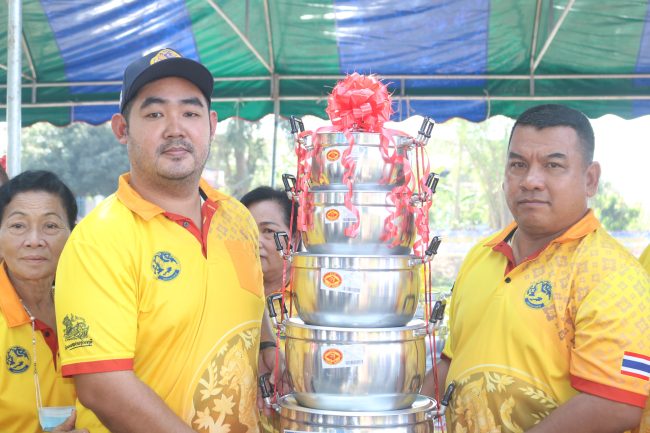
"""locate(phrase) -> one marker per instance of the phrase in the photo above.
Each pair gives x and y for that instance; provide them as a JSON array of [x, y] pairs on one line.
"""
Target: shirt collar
[[589, 223], [10, 304], [147, 210]]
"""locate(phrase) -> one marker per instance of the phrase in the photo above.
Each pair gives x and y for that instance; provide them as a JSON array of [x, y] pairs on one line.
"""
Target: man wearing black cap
[[159, 290]]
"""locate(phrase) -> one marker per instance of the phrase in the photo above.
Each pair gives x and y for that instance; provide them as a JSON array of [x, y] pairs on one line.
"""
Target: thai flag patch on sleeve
[[636, 365]]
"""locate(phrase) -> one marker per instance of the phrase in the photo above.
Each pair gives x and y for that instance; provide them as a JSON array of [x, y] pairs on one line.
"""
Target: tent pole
[[276, 120], [14, 68]]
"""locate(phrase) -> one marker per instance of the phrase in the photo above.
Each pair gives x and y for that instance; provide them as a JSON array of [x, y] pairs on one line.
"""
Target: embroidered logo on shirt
[[75, 330], [539, 295], [636, 365], [165, 266], [17, 359]]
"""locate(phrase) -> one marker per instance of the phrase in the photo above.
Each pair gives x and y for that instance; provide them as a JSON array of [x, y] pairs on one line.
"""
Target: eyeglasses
[[48, 416]]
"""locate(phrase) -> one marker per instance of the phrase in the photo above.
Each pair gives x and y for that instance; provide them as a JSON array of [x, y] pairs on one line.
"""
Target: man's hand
[[68, 425]]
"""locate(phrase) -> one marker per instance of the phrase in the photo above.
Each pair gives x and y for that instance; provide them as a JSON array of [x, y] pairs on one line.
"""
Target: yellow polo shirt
[[572, 319], [18, 411], [135, 290]]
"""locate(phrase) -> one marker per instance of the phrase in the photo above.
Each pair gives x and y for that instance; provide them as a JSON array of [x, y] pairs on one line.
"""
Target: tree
[[472, 156], [87, 158], [237, 153], [611, 209]]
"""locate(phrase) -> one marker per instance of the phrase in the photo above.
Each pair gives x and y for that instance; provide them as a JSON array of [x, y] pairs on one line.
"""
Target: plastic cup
[[52, 416]]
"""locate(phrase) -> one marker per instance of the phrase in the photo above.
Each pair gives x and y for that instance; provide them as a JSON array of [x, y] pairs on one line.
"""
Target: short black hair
[[266, 193], [39, 180], [549, 115]]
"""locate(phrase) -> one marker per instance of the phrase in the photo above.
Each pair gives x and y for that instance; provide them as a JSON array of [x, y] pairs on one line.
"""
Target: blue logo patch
[[539, 295], [165, 266], [18, 360]]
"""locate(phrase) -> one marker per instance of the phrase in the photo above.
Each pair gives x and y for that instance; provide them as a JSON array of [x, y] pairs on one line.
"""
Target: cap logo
[[164, 55]]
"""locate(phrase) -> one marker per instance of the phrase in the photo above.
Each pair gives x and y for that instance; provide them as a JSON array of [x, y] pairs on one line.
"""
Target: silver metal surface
[[331, 218], [355, 369], [417, 418], [355, 291], [371, 171]]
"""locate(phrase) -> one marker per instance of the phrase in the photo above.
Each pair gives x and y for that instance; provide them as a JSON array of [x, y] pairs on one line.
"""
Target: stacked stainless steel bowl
[[354, 355]]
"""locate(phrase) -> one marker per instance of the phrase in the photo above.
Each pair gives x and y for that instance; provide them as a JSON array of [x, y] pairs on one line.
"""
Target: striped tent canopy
[[442, 58]]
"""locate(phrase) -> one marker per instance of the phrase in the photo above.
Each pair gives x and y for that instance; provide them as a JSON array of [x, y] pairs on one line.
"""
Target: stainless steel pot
[[331, 218], [355, 369], [417, 418], [355, 291], [371, 171]]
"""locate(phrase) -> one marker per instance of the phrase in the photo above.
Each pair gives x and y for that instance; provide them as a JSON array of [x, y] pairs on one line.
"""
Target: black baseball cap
[[161, 64]]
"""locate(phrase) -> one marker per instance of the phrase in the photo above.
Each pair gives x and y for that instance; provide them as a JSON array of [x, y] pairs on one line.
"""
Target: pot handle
[[296, 125], [290, 183], [424, 134], [270, 305], [418, 199], [429, 253], [438, 312], [286, 252], [264, 384], [297, 129], [444, 403]]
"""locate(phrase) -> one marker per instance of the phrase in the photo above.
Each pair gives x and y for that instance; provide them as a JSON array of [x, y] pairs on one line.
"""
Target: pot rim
[[296, 329], [361, 138], [356, 263], [420, 411]]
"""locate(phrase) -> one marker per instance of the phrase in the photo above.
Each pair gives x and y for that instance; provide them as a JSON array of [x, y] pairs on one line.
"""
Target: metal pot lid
[[297, 329], [354, 262], [327, 139], [421, 410]]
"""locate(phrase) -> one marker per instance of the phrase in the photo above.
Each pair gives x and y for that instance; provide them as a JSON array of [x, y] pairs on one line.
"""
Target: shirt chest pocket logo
[[539, 295], [246, 264], [165, 267]]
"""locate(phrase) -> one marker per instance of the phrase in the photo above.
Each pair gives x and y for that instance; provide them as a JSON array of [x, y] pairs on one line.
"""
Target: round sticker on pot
[[332, 356], [332, 155], [332, 280], [332, 214]]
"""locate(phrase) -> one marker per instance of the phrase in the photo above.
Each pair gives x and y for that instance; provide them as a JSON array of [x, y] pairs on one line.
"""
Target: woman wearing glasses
[[37, 213]]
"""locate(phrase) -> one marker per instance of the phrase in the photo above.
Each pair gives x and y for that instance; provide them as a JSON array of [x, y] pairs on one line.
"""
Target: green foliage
[[237, 154], [471, 160], [87, 158], [611, 209]]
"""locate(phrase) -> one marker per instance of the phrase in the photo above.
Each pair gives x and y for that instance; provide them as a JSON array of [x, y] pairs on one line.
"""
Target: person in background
[[37, 213], [272, 211], [159, 289], [549, 318]]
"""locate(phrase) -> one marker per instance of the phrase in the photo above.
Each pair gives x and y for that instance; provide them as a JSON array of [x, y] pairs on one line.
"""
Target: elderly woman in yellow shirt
[[37, 213]]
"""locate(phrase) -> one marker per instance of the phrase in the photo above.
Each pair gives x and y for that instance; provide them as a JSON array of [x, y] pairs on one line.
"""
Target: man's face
[[169, 131], [547, 181]]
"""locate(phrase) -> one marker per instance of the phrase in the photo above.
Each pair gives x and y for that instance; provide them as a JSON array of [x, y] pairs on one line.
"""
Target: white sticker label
[[340, 281], [336, 214], [338, 356], [356, 152]]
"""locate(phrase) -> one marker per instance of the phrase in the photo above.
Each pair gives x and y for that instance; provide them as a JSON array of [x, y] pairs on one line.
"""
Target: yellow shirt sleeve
[[645, 259]]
